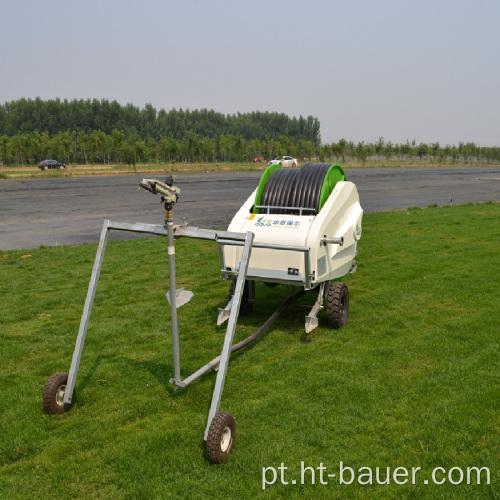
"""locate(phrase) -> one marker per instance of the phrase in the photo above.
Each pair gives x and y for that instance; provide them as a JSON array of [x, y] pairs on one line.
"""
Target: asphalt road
[[69, 211]]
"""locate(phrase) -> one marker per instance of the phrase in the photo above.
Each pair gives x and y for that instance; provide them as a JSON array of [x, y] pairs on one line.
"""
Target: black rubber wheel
[[337, 304], [220, 437], [53, 394], [246, 305], [271, 285]]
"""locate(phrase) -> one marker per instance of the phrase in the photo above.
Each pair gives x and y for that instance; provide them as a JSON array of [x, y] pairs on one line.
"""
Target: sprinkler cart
[[299, 227]]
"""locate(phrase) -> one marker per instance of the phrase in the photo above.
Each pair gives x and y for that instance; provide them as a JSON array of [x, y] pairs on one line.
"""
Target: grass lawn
[[411, 381]]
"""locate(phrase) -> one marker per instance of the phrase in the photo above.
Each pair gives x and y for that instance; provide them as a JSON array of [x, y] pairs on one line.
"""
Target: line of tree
[[56, 116], [119, 147], [97, 147], [465, 153], [93, 131]]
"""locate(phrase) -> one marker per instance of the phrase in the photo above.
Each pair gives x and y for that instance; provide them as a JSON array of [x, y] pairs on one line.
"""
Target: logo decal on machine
[[271, 222]]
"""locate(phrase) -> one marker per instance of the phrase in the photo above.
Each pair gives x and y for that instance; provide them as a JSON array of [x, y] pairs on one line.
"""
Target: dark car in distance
[[46, 164]]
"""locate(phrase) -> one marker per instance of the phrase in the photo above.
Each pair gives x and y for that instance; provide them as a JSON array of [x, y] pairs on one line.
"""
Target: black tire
[[246, 305], [53, 394], [220, 437], [271, 285], [337, 305]]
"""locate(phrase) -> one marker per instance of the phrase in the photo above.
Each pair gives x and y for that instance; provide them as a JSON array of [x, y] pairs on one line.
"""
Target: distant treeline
[[119, 147], [102, 132], [96, 147], [464, 153], [56, 116]]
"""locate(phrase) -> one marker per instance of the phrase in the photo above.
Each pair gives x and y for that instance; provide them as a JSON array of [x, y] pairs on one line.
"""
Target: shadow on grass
[[88, 376]]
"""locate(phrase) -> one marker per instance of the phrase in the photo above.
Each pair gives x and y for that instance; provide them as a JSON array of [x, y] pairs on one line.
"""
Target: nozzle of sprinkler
[[169, 193]]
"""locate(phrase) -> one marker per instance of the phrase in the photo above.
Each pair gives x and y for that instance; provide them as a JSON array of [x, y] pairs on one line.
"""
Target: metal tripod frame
[[222, 360]]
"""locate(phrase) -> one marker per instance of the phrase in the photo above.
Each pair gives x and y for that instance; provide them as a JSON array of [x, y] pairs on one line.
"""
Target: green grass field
[[411, 381]]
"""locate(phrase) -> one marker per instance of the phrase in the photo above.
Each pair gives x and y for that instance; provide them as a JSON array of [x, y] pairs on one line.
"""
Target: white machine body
[[312, 260]]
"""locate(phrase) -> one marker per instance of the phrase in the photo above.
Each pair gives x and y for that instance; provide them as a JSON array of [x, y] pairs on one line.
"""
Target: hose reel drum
[[313, 210]]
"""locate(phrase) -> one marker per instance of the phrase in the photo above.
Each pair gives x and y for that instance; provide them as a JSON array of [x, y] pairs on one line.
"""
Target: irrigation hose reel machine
[[299, 227]]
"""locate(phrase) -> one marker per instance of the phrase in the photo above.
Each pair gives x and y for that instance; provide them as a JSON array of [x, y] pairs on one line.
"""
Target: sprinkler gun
[[169, 192], [169, 195]]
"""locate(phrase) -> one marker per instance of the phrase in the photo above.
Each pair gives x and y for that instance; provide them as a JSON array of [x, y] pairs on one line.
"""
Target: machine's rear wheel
[[246, 305], [271, 284], [53, 394], [337, 305], [220, 437]]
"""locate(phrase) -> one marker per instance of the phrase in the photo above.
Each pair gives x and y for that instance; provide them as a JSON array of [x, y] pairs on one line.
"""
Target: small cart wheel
[[337, 304], [53, 394], [220, 437]]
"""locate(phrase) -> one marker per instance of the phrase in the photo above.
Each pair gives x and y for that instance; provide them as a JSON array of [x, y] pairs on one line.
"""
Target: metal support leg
[[231, 327], [224, 313], [312, 317], [169, 218], [84, 323]]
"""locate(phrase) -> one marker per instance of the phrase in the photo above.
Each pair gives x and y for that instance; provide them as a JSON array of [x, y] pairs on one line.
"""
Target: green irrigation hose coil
[[308, 187]]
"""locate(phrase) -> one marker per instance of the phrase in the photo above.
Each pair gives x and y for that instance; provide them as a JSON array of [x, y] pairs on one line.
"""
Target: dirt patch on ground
[[27, 172], [102, 170]]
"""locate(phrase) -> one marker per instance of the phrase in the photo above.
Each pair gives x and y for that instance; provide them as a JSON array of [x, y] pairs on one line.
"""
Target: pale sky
[[427, 70]]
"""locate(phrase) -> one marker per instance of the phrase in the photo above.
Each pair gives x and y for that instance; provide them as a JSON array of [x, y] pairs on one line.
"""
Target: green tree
[[169, 148], [208, 148], [152, 150], [240, 148], [99, 146], [255, 148], [63, 146], [389, 150], [190, 146], [325, 152], [361, 151], [342, 147], [139, 150], [83, 142], [308, 149], [286, 145], [226, 147], [5, 150], [117, 140], [380, 146], [19, 146], [422, 150], [270, 147], [127, 154]]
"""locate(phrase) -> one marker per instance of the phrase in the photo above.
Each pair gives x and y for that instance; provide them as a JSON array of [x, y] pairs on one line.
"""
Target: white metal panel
[[340, 217]]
